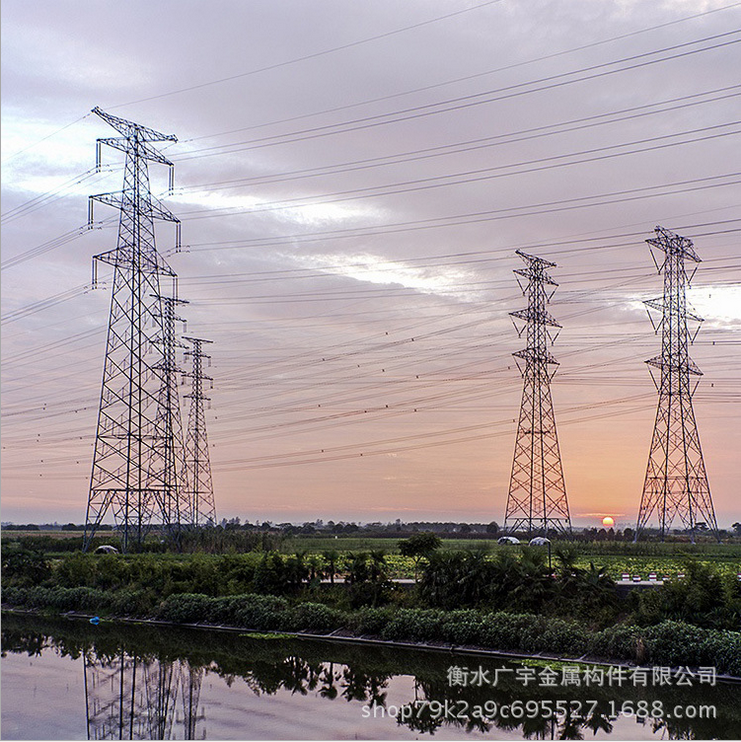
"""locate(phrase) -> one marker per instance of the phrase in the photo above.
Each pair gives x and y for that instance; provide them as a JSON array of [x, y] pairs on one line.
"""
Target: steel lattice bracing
[[197, 459], [129, 697], [676, 484], [536, 502], [171, 445], [132, 461]]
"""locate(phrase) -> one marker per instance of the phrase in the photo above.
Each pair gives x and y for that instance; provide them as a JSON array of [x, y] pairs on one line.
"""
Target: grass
[[271, 636], [710, 550], [618, 556]]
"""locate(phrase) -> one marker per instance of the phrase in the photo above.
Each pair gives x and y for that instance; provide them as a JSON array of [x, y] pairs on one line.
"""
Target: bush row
[[120, 603], [668, 643]]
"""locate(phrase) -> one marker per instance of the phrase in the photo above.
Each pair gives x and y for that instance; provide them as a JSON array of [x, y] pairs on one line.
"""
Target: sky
[[353, 180]]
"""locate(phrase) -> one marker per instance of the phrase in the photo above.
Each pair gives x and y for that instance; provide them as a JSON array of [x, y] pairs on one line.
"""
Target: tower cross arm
[[540, 317], [530, 274], [196, 340], [674, 244], [159, 211], [129, 128], [660, 362], [123, 144], [154, 206], [660, 305], [534, 260], [536, 355]]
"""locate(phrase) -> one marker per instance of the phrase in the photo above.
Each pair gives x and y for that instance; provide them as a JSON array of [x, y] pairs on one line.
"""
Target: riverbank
[[338, 636], [127, 679], [669, 643]]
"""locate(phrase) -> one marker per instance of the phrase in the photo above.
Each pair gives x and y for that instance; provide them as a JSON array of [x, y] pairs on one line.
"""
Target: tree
[[493, 528], [331, 557], [24, 567], [418, 546], [736, 529], [368, 578]]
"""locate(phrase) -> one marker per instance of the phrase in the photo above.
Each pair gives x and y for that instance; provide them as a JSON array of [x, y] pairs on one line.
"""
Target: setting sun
[[608, 521]]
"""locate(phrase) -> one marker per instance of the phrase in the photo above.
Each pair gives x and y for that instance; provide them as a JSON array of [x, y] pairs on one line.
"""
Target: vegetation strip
[[510, 602], [669, 643], [334, 636]]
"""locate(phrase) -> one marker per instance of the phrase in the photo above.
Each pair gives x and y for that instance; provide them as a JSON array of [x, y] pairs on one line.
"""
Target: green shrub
[[669, 643], [369, 620], [565, 637], [619, 642], [705, 597], [313, 617], [58, 598], [261, 612], [676, 643], [12, 595], [131, 602], [414, 624], [24, 567], [186, 608], [462, 627]]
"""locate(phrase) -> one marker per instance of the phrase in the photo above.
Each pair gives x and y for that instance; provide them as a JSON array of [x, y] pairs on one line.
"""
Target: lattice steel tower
[[133, 697], [197, 459], [132, 461], [169, 421], [537, 500], [676, 483]]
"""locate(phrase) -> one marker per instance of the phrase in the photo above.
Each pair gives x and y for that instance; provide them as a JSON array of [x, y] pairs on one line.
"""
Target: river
[[66, 679]]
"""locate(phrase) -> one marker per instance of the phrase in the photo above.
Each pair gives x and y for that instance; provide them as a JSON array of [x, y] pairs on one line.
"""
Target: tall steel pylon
[[131, 473], [537, 501], [676, 483], [131, 697], [172, 444], [197, 459]]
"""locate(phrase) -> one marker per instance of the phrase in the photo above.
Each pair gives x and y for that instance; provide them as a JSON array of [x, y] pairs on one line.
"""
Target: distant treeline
[[395, 530], [520, 581]]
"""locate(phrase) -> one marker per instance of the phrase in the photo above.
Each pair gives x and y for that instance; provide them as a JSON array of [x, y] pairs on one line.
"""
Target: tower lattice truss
[[130, 697], [537, 502], [199, 485], [676, 484], [138, 454]]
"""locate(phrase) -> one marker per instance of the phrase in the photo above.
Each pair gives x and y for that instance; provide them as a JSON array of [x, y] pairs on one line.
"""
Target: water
[[65, 679]]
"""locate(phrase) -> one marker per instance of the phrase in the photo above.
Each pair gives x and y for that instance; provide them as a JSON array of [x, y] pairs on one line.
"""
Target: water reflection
[[146, 683], [133, 698]]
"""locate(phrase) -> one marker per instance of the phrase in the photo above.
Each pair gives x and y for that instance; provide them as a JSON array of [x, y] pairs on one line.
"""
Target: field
[[618, 556]]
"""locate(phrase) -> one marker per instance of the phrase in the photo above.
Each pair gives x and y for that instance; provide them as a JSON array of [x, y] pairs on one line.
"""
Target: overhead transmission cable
[[467, 101], [465, 78], [313, 55], [552, 159]]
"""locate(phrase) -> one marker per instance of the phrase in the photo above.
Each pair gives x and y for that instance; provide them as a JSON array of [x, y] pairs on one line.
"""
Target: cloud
[[313, 304]]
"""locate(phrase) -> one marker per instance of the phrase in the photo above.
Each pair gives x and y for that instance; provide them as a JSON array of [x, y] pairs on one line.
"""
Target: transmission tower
[[676, 483], [192, 678], [537, 500], [198, 462], [132, 461], [132, 697], [172, 447]]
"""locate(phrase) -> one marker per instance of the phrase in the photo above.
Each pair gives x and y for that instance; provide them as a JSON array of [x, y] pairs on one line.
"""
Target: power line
[[313, 55], [464, 102], [351, 167], [466, 78]]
